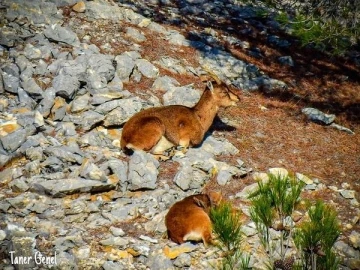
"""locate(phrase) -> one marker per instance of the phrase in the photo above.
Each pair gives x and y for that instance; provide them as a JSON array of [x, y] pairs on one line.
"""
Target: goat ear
[[199, 203], [210, 86], [215, 198]]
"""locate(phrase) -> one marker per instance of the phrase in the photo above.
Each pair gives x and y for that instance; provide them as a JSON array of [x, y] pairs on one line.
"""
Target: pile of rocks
[[67, 192]]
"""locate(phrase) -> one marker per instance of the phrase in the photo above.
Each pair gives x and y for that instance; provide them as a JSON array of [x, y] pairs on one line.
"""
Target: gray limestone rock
[[182, 95], [34, 153], [348, 194], [25, 99], [175, 38], [11, 82], [188, 177], [110, 265], [86, 120], [318, 116], [102, 65], [19, 185], [63, 187], [125, 64], [34, 53], [103, 10], [164, 83], [14, 140], [100, 98], [80, 103], [95, 82], [8, 36], [58, 110], [89, 170], [160, 262], [47, 102], [37, 12], [172, 64], [120, 169], [142, 171], [135, 34], [342, 128], [32, 88], [219, 146], [183, 261], [115, 241], [58, 33], [147, 68], [64, 153], [65, 85], [124, 109]]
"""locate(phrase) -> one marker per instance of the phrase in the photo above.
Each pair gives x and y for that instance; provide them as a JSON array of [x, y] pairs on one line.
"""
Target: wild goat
[[158, 129], [188, 219]]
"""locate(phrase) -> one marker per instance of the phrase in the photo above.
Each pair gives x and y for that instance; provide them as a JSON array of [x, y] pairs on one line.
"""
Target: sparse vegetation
[[227, 228], [327, 25], [272, 205], [316, 236]]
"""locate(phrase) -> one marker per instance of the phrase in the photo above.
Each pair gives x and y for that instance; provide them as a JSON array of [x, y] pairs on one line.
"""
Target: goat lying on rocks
[[188, 219], [158, 129]]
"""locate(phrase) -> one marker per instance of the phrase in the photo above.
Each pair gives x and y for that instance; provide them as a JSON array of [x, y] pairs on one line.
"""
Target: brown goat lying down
[[188, 219], [158, 129]]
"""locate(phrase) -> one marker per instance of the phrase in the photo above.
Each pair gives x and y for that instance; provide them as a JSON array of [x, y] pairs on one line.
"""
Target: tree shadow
[[326, 82]]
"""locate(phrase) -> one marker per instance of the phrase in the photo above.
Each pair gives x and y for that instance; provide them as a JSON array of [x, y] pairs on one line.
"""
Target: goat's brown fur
[[158, 129], [189, 218]]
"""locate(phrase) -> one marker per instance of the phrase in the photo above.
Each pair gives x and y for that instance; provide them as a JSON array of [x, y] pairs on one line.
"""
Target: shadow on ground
[[331, 84]]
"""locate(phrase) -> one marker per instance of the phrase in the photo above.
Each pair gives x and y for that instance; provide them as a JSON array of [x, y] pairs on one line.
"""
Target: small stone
[[148, 239], [310, 187], [142, 171], [304, 179], [348, 194], [79, 7], [116, 231], [147, 69], [183, 261], [159, 261], [115, 241], [318, 116], [345, 185], [354, 202], [353, 263], [135, 34], [279, 172], [19, 185], [355, 239], [14, 140], [2, 235], [296, 216], [286, 61], [263, 177], [244, 194], [58, 33], [174, 252]]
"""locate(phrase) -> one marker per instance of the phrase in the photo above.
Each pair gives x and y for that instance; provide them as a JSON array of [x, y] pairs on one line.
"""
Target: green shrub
[[227, 228], [272, 204], [332, 26], [316, 237]]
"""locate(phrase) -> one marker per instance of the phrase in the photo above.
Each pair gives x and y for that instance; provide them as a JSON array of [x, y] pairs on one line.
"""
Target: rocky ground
[[72, 73]]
